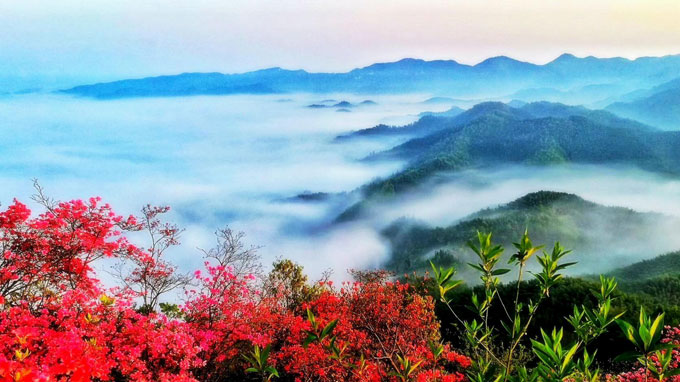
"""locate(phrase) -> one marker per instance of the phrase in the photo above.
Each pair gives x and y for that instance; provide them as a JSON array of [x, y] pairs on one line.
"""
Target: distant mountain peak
[[277, 70], [408, 60], [502, 61], [410, 64], [498, 58], [489, 106], [565, 57]]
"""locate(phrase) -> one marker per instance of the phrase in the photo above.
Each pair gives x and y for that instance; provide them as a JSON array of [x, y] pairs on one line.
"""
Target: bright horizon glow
[[100, 40]]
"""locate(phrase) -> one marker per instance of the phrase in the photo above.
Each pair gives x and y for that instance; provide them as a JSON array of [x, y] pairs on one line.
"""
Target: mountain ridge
[[659, 106], [405, 75], [431, 122], [502, 135]]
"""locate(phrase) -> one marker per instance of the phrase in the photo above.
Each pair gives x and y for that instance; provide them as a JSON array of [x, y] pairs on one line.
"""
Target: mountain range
[[445, 77], [494, 134], [430, 122], [659, 106]]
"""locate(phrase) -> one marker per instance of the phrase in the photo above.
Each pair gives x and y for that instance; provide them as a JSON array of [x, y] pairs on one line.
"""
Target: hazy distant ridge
[[407, 75], [659, 106]]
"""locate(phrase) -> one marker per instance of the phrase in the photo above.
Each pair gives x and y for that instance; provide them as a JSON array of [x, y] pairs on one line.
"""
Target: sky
[[82, 40]]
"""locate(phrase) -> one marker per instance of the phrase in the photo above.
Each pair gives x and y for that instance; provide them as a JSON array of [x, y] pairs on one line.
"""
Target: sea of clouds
[[237, 161]]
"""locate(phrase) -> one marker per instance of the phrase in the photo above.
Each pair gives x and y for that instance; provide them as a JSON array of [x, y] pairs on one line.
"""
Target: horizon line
[[451, 60]]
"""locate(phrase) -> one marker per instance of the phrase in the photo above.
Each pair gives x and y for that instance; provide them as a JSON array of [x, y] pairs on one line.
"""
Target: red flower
[[57, 322]]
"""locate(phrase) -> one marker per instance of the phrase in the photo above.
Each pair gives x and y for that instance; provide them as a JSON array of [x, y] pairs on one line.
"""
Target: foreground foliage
[[58, 323], [497, 356]]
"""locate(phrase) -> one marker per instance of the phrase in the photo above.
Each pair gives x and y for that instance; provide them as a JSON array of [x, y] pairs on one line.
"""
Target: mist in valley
[[217, 161], [600, 246], [242, 160]]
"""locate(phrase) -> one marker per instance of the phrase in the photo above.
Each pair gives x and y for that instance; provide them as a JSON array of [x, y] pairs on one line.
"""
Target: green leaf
[[271, 370], [477, 267], [310, 338], [629, 332], [329, 328], [627, 356], [646, 337], [567, 358], [655, 329], [311, 318], [265, 353]]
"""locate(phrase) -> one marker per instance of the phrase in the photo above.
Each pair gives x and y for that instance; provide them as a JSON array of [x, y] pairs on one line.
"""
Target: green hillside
[[494, 139], [544, 109], [503, 135], [430, 122], [588, 228], [425, 125], [661, 266]]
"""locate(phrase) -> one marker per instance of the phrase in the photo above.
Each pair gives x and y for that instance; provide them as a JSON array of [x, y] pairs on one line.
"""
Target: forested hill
[[587, 228], [661, 266], [506, 136], [559, 126], [543, 109], [434, 122], [430, 123]]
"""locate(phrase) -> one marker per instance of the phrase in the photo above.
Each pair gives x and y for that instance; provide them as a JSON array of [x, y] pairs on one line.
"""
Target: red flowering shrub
[[377, 324], [671, 335], [52, 253], [58, 324], [225, 318]]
